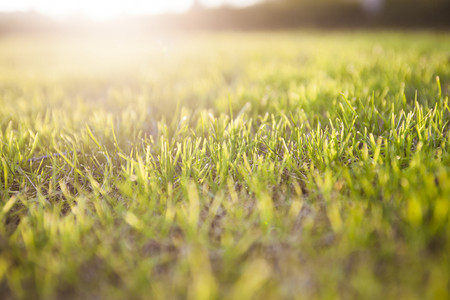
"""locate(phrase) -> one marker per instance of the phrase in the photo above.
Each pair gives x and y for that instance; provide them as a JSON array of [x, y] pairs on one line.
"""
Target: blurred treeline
[[280, 14], [266, 15]]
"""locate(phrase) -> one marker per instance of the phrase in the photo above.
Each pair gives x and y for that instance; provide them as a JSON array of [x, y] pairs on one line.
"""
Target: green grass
[[225, 166]]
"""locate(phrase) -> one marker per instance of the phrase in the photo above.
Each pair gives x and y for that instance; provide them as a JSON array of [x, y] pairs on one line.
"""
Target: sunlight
[[107, 9], [98, 9]]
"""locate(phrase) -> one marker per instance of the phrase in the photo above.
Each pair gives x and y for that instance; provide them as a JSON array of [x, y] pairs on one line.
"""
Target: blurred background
[[186, 15]]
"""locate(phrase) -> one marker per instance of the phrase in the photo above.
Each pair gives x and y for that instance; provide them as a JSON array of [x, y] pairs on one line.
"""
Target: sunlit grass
[[235, 166]]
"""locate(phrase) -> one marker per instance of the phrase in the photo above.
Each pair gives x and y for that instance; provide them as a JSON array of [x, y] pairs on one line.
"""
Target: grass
[[226, 166]]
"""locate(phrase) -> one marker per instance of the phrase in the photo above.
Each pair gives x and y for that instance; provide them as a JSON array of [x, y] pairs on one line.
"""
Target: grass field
[[228, 166]]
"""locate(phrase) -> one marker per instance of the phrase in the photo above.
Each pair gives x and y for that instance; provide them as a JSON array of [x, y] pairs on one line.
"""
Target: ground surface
[[236, 166]]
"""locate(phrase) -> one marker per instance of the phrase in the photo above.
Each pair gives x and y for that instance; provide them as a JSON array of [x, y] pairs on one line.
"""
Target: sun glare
[[97, 9], [108, 9]]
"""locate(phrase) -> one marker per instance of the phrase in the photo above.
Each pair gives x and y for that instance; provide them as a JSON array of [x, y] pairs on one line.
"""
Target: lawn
[[283, 165]]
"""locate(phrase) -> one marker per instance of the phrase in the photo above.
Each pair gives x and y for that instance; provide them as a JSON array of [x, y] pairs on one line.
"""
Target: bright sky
[[104, 9]]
